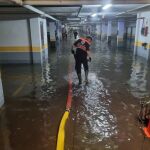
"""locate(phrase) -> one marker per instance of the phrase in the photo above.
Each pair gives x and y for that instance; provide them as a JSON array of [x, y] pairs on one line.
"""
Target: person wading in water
[[82, 56]]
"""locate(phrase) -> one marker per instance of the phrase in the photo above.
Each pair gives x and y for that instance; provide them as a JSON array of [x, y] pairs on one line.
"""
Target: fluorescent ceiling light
[[92, 5], [107, 6], [73, 19], [94, 15]]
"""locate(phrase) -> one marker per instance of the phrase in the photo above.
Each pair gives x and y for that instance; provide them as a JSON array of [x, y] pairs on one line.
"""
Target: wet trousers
[[79, 60]]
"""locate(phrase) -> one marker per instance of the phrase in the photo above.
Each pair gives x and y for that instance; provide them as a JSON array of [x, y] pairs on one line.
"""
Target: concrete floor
[[104, 112]]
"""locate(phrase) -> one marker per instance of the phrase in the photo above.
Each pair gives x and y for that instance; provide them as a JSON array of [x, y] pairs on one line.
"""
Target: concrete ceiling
[[85, 11], [5, 2], [75, 9], [87, 2]]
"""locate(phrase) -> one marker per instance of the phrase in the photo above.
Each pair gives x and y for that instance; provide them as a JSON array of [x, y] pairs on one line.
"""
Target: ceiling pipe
[[79, 11], [133, 9], [43, 14]]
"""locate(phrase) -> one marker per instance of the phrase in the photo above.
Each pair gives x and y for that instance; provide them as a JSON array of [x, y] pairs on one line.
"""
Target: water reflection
[[99, 122], [138, 81], [58, 48], [5, 132], [118, 62], [48, 86]]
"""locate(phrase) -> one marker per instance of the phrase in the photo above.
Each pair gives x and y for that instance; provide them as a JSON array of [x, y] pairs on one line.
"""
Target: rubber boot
[[86, 77], [80, 78]]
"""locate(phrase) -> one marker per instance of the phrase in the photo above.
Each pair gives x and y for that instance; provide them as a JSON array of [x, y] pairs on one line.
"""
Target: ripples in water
[[99, 122], [138, 80], [48, 86]]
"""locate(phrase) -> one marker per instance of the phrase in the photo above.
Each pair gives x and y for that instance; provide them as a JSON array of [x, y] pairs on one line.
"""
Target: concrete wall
[[130, 35], [84, 29], [109, 28], [143, 19], [104, 30], [98, 30], [19, 43], [59, 30], [114, 28], [52, 28], [13, 40], [36, 34], [121, 33]]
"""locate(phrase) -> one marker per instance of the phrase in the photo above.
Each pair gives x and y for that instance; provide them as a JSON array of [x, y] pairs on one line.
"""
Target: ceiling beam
[[82, 2], [33, 9], [79, 11], [132, 10], [19, 2]]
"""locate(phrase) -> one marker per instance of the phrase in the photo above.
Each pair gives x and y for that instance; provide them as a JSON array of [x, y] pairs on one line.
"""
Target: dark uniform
[[75, 34], [82, 46]]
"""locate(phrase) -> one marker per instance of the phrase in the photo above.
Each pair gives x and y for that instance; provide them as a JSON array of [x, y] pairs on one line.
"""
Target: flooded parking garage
[[103, 114], [45, 104]]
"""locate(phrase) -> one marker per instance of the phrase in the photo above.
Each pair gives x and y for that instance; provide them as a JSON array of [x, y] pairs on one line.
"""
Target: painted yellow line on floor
[[61, 133], [19, 49], [20, 88]]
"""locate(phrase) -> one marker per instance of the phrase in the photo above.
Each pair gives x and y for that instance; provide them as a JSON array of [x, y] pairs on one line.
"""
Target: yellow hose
[[61, 132]]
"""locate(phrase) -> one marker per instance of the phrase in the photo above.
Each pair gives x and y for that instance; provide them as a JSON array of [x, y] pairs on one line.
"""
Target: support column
[[52, 33], [39, 40], [98, 31], [109, 31], [26, 46], [142, 36], [121, 32], [1, 93], [104, 30]]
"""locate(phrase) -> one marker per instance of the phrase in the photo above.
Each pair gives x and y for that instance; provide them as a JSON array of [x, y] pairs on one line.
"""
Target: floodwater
[[104, 112]]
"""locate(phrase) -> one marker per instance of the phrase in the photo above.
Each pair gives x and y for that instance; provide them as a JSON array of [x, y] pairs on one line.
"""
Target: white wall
[[45, 30], [35, 32], [59, 30], [85, 29], [36, 35], [139, 38], [52, 28], [104, 28], [114, 28], [45, 50], [14, 33], [121, 29], [15, 41], [109, 28], [98, 29]]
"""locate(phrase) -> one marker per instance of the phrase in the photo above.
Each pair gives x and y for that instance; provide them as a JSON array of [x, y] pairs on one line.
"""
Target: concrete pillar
[[104, 30], [121, 32], [109, 31], [60, 30], [14, 43], [98, 30], [39, 39], [142, 36], [85, 29], [53, 36], [1, 93], [114, 28], [23, 41]]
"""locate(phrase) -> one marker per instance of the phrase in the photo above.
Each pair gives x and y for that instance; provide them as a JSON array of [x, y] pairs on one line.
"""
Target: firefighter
[[75, 34], [82, 56]]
